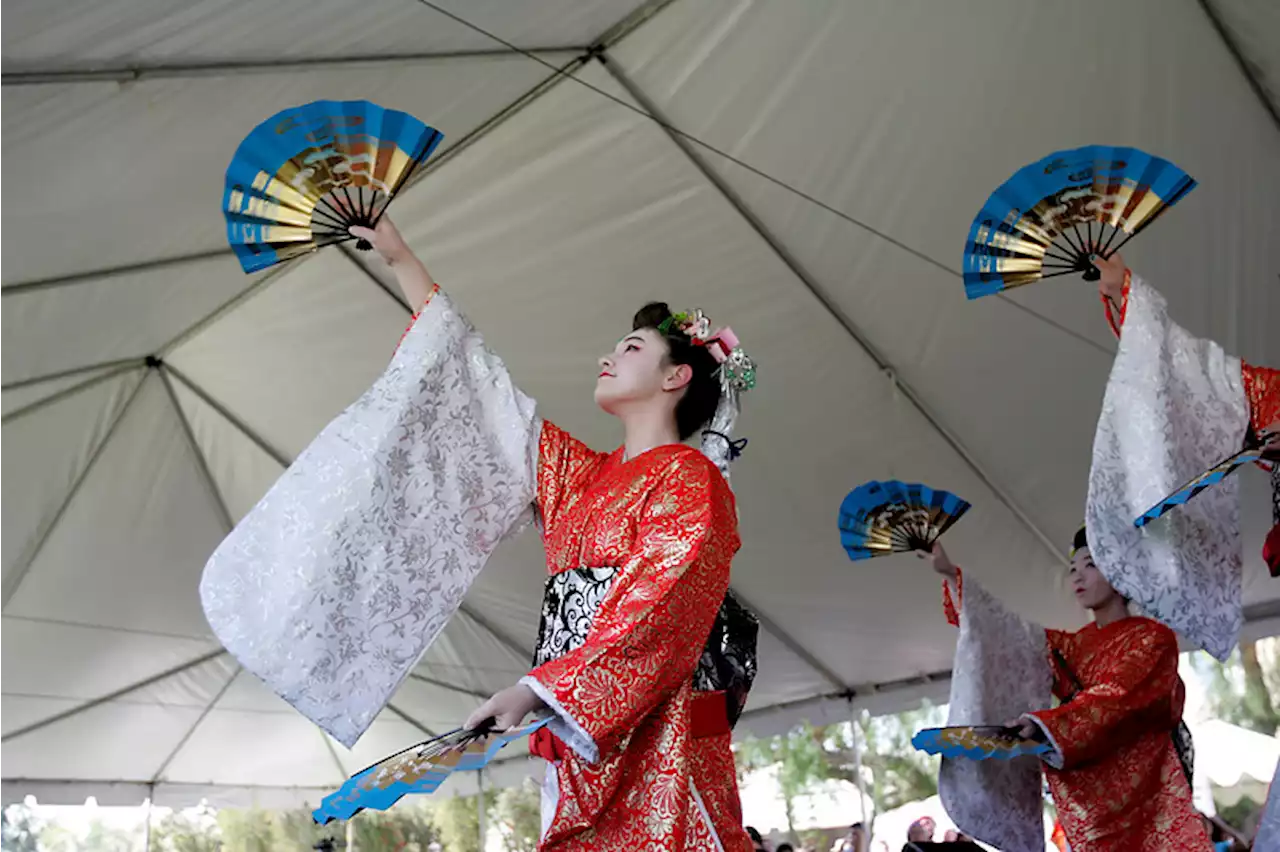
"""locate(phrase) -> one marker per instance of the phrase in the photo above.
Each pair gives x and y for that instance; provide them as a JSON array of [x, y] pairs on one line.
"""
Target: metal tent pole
[[857, 768]]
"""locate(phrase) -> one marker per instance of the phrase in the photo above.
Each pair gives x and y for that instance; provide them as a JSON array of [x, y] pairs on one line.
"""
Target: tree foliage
[[20, 829], [518, 815], [893, 772]]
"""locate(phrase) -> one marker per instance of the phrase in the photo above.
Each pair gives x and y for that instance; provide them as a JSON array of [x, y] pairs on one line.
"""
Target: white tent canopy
[[805, 172]]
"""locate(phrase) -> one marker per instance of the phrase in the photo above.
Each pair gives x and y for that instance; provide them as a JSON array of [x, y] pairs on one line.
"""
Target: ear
[[678, 377]]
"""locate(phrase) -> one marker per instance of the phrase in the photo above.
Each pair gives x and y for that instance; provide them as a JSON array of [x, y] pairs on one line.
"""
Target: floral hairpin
[[737, 370]]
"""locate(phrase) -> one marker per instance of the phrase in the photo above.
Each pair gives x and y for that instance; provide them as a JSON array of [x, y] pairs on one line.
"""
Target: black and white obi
[[728, 662]]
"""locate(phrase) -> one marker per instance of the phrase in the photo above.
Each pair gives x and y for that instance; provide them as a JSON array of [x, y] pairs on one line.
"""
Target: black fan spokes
[[1075, 250]]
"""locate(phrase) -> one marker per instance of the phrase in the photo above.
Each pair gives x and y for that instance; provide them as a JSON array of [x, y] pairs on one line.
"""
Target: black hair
[[785, 847], [702, 394], [1080, 540], [752, 833]]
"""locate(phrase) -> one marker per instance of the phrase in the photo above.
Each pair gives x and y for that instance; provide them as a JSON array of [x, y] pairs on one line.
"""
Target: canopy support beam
[[198, 70], [239, 425], [462, 690], [137, 361], [19, 572], [208, 708], [1254, 83], [374, 279], [412, 721], [95, 275], [32, 408], [797, 269], [112, 696], [224, 514], [777, 631]]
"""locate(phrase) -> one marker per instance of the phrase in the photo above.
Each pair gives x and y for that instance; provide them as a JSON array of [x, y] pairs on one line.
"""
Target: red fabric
[[708, 716], [1121, 788], [1262, 388], [546, 745], [1271, 551], [667, 520], [435, 288], [951, 606], [1117, 322]]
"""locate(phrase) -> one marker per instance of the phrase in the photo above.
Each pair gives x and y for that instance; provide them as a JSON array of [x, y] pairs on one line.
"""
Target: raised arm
[[1113, 288], [411, 274]]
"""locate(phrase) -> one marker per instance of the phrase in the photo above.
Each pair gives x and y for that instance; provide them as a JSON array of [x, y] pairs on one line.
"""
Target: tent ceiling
[[816, 206]]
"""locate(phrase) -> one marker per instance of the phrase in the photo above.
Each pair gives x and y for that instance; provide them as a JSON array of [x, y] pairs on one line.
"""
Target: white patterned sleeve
[[1174, 406], [334, 585], [1001, 671]]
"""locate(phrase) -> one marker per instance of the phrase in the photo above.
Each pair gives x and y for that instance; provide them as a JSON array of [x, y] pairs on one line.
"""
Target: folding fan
[[976, 742], [879, 518], [1251, 453], [1048, 218], [420, 769], [307, 174]]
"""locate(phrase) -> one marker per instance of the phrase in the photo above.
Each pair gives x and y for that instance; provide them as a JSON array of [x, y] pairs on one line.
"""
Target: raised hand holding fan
[[1052, 216], [880, 518], [303, 177]]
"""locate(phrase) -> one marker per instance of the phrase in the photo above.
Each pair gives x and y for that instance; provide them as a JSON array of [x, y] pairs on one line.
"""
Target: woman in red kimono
[[1115, 774], [638, 545]]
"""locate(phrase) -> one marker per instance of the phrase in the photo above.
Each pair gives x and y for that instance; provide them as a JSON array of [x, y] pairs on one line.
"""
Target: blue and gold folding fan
[[879, 518], [1211, 477], [419, 769], [307, 174], [976, 742], [1051, 216]]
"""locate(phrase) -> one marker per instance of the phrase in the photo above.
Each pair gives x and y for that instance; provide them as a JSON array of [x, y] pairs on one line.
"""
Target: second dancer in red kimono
[[1116, 763]]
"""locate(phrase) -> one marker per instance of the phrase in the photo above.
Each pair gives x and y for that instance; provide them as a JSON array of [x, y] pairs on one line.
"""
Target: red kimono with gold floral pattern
[[1119, 786], [1113, 769], [635, 776]]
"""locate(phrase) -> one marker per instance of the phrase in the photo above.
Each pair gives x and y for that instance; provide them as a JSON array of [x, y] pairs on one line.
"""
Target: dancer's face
[[1091, 588], [638, 373]]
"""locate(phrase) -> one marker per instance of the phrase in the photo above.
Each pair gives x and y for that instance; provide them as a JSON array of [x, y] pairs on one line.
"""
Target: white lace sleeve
[[1174, 406], [1000, 672], [340, 578]]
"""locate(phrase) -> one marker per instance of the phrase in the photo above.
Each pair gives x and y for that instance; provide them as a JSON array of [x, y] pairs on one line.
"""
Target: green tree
[[295, 830], [20, 829], [408, 827], [899, 774], [803, 757], [894, 771], [518, 813], [194, 830], [459, 823], [250, 830], [1244, 690]]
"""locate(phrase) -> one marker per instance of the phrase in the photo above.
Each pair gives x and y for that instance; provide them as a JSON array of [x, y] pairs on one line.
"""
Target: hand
[[941, 563], [1026, 729], [1271, 446], [1111, 284], [508, 708], [386, 239]]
